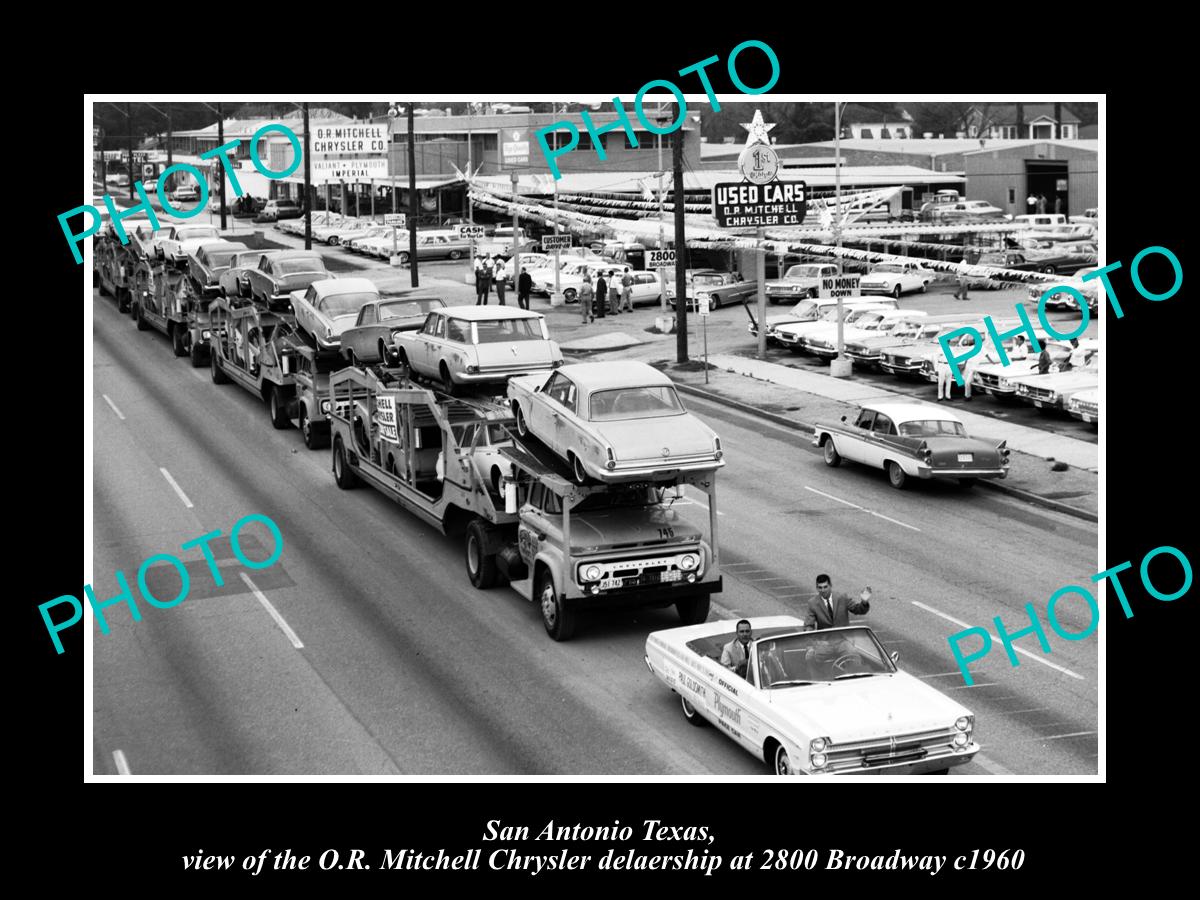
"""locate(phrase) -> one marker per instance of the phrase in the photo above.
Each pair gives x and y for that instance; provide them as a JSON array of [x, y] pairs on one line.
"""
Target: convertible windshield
[[501, 331], [404, 309], [299, 266], [346, 304], [813, 656], [932, 428], [635, 403]]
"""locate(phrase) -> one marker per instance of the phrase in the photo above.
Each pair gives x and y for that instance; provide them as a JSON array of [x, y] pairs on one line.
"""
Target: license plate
[[1038, 403], [637, 580], [966, 457]]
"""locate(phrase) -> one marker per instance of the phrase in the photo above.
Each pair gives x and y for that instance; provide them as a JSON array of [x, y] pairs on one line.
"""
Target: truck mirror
[[510, 497]]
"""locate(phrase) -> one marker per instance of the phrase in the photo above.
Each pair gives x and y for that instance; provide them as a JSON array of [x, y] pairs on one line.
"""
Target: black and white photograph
[[713, 435]]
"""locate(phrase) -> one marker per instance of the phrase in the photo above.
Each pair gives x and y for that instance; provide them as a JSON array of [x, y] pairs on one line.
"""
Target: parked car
[[1051, 391], [803, 280], [1085, 405], [822, 341], [814, 702], [356, 243], [867, 351], [996, 379], [467, 345], [791, 334], [372, 337], [278, 275], [614, 421], [327, 307], [279, 209], [185, 191], [434, 245], [209, 262], [721, 289], [815, 309], [911, 440], [174, 242], [964, 210], [234, 281], [895, 279], [1064, 300]]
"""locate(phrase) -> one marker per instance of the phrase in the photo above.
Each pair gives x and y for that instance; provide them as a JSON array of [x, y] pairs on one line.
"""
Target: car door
[[646, 288], [877, 447], [853, 445], [434, 341], [358, 337], [547, 408], [417, 348], [732, 699]]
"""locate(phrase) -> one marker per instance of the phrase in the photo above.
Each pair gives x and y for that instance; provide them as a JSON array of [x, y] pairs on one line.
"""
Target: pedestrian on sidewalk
[[585, 300], [627, 291], [524, 288], [483, 281], [964, 280], [601, 296], [499, 275], [1031, 203]]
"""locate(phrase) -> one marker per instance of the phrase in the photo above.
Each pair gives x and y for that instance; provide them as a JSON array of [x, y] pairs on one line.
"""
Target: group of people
[[1019, 350], [824, 610], [603, 298], [1036, 203], [494, 271]]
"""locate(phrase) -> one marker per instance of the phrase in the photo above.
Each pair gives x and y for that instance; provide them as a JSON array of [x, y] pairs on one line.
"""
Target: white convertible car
[[827, 702], [614, 421]]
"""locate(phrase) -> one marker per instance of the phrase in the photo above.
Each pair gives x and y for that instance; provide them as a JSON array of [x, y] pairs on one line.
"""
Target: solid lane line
[[108, 400], [122, 765], [178, 490], [864, 509], [1033, 656], [991, 766], [279, 620], [1055, 737]]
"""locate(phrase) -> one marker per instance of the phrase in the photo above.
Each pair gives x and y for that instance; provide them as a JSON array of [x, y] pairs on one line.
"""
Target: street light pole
[[307, 186], [221, 167], [681, 348], [412, 198], [841, 366]]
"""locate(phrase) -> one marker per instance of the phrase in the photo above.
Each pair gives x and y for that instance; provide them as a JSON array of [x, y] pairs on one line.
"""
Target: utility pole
[[516, 254], [220, 166], [841, 366], [307, 186], [412, 198], [170, 140], [129, 123], [681, 347], [662, 240]]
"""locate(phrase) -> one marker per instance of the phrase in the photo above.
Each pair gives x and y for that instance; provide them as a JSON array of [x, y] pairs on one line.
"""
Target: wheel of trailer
[[196, 353], [693, 610], [447, 381], [218, 375], [123, 298], [896, 292], [456, 254], [570, 295], [522, 425], [341, 470], [311, 441], [559, 621], [833, 459], [689, 712], [178, 341], [481, 566], [142, 324], [278, 407], [577, 470], [782, 765], [896, 475]]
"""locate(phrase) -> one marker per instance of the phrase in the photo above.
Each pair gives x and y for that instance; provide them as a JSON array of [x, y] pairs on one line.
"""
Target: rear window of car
[[635, 403], [500, 331], [402, 309], [199, 231], [345, 304], [303, 264], [932, 428]]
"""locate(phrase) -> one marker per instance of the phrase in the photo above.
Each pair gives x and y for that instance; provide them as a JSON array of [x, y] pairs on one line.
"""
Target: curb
[[996, 485]]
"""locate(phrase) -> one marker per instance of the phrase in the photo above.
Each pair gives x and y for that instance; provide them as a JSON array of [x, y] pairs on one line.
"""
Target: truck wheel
[[577, 470], [142, 324], [896, 475], [693, 610], [123, 298], [178, 344], [341, 470], [218, 374], [689, 713], [311, 439], [833, 459], [481, 566], [197, 354], [559, 621], [278, 406]]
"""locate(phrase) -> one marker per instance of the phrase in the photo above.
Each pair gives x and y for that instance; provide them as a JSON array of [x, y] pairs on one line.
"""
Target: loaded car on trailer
[[247, 345]]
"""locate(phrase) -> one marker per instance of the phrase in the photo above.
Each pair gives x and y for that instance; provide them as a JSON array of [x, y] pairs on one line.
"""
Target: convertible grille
[[902, 748]]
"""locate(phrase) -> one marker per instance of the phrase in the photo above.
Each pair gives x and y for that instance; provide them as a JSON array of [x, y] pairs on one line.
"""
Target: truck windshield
[[629, 498]]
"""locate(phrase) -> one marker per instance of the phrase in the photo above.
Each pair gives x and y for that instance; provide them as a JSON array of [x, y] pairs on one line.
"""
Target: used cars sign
[[775, 204]]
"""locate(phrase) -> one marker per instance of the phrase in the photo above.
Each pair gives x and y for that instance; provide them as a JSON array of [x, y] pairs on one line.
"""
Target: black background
[[141, 836]]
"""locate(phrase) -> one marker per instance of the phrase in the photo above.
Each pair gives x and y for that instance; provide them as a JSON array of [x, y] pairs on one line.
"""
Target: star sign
[[757, 129]]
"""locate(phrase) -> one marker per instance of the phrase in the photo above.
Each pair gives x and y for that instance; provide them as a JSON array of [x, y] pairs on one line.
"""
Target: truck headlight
[[324, 407], [688, 562], [592, 573]]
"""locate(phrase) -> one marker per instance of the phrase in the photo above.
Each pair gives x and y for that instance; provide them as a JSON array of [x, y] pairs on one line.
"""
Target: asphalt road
[[403, 667]]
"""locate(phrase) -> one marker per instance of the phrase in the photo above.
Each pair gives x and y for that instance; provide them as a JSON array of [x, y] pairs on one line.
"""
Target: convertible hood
[[858, 709], [610, 527], [632, 439]]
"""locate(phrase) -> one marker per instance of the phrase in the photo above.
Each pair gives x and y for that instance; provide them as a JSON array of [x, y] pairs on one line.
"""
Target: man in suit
[[601, 296], [828, 611], [736, 653]]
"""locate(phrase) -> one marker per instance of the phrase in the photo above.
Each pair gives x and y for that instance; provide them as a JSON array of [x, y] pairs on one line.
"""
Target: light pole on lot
[[393, 112], [307, 188], [412, 198], [839, 367]]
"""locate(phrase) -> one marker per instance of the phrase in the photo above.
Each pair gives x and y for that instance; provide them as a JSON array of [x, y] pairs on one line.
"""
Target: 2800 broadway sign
[[770, 205]]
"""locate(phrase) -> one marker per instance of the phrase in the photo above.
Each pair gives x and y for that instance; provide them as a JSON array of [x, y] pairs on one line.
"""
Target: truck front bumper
[[647, 595]]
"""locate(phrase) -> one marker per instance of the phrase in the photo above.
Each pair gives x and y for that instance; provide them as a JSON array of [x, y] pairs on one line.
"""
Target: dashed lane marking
[[178, 490], [279, 620], [120, 762], [108, 400]]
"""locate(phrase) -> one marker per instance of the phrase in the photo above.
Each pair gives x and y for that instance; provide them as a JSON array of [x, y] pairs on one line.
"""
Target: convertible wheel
[[559, 621], [833, 459], [689, 713], [570, 296], [481, 566], [896, 475], [782, 763], [522, 425], [693, 610]]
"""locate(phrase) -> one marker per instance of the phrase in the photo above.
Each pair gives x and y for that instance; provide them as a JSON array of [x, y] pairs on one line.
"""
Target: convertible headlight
[[817, 760], [963, 723], [592, 573], [961, 739], [818, 745], [324, 407], [688, 562]]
